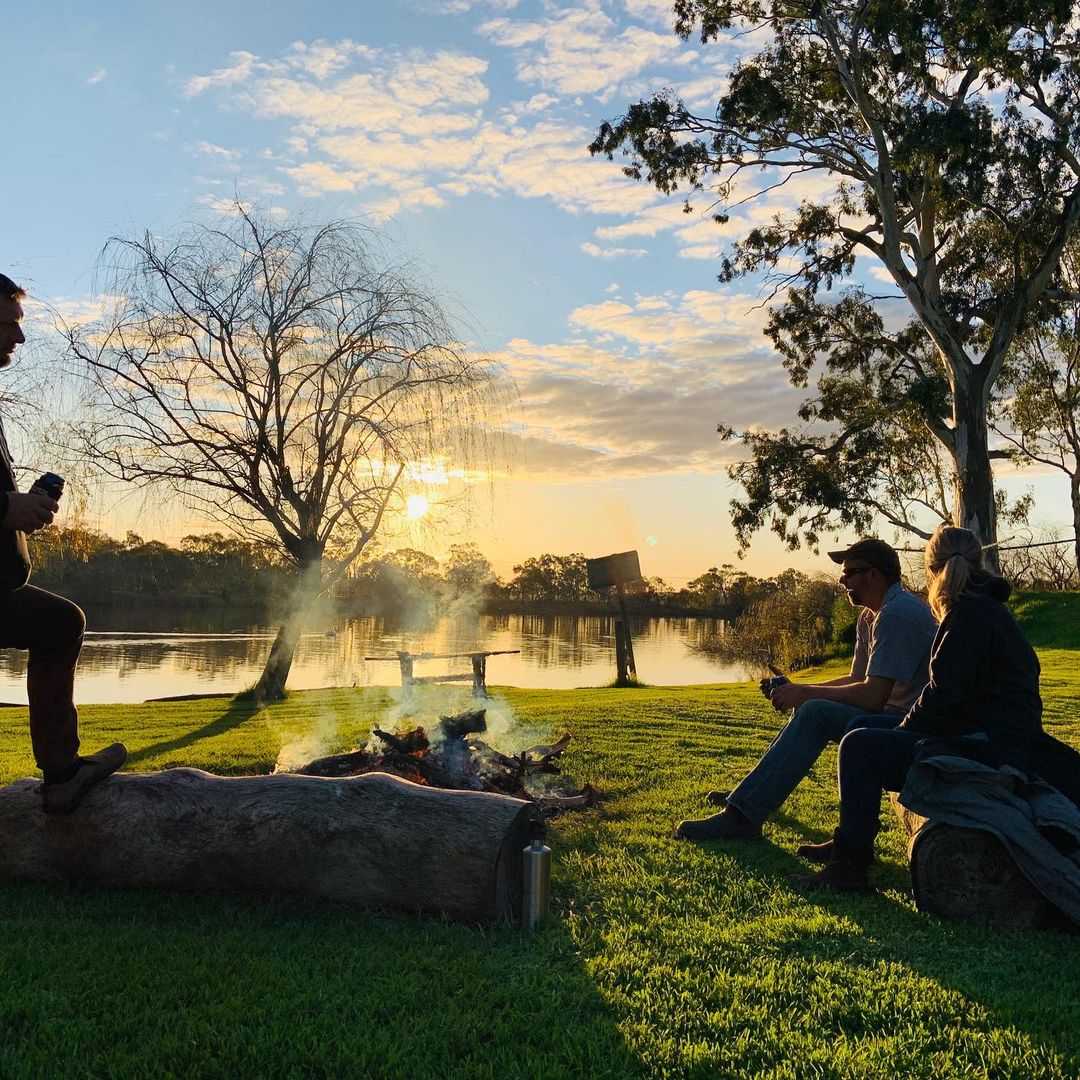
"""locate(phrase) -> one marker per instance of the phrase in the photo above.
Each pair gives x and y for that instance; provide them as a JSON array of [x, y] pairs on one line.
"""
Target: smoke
[[412, 706], [317, 742]]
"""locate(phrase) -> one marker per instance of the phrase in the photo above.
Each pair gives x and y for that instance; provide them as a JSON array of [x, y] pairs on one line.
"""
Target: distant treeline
[[92, 567], [399, 582]]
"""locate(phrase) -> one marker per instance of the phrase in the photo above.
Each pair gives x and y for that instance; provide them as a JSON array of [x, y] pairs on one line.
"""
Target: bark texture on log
[[969, 874], [373, 840]]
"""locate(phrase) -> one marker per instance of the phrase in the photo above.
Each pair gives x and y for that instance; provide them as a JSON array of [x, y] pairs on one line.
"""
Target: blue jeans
[[869, 763], [794, 751]]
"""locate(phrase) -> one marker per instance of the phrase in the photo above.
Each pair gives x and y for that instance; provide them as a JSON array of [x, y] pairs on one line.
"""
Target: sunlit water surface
[[137, 655]]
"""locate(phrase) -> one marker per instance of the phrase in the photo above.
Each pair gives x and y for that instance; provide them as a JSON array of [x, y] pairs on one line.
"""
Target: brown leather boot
[[816, 853], [729, 824], [846, 871], [65, 797]]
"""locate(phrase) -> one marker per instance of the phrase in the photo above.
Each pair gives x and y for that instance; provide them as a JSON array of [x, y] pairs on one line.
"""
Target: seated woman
[[983, 694]]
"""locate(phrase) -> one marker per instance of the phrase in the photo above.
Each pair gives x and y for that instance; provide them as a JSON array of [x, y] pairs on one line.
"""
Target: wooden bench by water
[[478, 675]]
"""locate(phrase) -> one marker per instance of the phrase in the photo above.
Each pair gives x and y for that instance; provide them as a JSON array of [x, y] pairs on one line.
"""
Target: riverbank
[[662, 958]]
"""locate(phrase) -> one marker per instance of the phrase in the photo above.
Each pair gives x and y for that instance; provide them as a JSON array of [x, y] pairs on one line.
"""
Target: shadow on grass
[[1025, 979], [326, 990], [238, 712]]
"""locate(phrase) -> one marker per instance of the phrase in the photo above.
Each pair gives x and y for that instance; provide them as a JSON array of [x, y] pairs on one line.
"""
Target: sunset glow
[[416, 507], [462, 135]]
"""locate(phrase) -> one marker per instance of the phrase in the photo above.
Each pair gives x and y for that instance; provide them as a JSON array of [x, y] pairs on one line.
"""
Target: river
[[138, 655]]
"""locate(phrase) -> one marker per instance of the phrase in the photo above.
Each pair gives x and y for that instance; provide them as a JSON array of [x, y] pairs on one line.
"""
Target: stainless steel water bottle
[[536, 877]]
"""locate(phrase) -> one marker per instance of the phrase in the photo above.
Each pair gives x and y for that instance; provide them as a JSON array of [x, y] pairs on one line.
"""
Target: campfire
[[452, 757]]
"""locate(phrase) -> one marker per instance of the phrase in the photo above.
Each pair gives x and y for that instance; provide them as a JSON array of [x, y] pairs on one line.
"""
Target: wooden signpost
[[617, 571]]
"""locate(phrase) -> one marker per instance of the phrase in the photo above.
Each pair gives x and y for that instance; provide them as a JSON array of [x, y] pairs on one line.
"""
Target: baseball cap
[[873, 552]]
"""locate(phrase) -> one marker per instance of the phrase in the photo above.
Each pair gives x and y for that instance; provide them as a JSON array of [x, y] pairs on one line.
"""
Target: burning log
[[372, 840], [454, 760]]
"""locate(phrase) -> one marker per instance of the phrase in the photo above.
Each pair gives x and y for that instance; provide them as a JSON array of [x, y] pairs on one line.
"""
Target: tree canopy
[[934, 141]]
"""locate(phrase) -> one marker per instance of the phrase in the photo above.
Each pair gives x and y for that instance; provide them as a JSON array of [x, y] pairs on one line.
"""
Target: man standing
[[49, 627], [888, 671]]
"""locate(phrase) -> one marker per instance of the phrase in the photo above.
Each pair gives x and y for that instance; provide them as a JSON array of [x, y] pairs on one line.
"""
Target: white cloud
[[409, 129], [243, 65], [598, 252], [460, 7], [209, 149], [642, 387], [656, 12], [225, 206], [655, 219], [323, 58], [580, 50], [314, 178], [97, 77]]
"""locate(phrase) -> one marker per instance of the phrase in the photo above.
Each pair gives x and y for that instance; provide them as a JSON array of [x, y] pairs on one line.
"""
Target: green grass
[[1050, 619], [663, 958]]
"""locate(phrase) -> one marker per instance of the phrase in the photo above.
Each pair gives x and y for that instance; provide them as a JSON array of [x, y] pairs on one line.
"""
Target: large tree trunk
[[275, 673], [973, 478], [374, 840], [1074, 491]]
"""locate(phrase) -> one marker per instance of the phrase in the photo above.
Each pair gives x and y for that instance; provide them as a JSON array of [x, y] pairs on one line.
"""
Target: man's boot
[[717, 798], [729, 824], [846, 871], [64, 796], [816, 853]]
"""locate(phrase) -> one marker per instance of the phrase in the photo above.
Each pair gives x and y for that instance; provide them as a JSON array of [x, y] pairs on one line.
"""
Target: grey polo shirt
[[895, 644]]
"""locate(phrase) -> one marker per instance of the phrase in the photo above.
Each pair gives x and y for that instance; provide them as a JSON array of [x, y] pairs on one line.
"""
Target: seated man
[[888, 671], [48, 626]]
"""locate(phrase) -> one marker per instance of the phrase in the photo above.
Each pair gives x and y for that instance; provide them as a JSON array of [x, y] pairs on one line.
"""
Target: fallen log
[[969, 874], [374, 840]]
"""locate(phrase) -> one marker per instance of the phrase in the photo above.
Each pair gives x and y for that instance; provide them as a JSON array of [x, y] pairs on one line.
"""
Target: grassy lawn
[[665, 958]]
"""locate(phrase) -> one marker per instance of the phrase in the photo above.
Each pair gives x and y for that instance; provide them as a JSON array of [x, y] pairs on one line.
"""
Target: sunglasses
[[854, 572]]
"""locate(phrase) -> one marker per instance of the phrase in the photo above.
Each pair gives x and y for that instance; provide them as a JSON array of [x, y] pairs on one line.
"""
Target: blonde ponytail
[[953, 557]]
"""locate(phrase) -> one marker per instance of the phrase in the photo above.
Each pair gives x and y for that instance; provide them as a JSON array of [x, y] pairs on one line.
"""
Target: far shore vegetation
[[793, 619]]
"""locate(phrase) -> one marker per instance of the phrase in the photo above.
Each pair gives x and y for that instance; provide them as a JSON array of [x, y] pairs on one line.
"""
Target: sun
[[416, 507]]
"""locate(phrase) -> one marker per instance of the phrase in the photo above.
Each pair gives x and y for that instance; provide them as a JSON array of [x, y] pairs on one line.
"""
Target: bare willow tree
[[284, 378]]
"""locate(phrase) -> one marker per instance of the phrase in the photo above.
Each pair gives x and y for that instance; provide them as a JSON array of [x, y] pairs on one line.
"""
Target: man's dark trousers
[[51, 629]]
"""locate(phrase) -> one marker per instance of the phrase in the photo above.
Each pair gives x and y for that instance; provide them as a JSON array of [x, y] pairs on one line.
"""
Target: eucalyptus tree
[[1038, 414], [941, 138], [285, 378]]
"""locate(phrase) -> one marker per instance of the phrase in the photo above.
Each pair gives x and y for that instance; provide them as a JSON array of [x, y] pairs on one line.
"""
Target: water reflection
[[132, 656]]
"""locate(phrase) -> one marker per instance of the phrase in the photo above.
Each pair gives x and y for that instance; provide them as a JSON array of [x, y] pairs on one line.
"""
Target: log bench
[[374, 841], [969, 874]]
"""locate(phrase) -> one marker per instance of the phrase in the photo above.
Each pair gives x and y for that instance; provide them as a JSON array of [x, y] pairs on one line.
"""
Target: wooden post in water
[[620, 570], [622, 678], [479, 675], [631, 665]]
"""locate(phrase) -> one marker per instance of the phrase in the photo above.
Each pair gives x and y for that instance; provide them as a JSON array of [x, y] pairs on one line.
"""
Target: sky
[[460, 128]]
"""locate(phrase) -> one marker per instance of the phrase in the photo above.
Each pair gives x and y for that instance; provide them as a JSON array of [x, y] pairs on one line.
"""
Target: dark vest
[[14, 558]]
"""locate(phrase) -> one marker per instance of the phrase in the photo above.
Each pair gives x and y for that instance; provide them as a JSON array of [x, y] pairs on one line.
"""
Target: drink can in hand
[[49, 484]]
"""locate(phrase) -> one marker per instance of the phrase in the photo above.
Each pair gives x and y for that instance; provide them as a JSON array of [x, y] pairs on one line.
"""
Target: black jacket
[[984, 677]]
